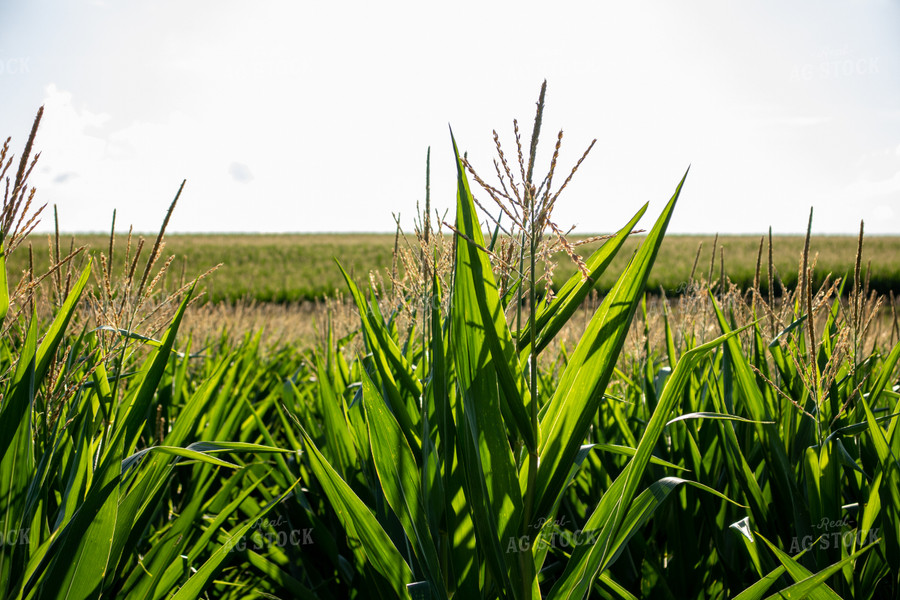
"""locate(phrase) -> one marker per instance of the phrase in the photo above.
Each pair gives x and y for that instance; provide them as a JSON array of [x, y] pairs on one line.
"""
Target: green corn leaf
[[380, 338], [646, 504], [606, 523], [359, 522], [485, 364], [857, 428], [759, 589], [166, 582], [580, 389], [772, 445], [16, 453], [392, 366], [670, 339], [147, 340], [461, 556], [133, 415], [135, 458], [165, 553], [340, 442], [277, 575], [798, 572], [478, 319], [715, 416], [47, 350], [80, 560], [606, 580], [541, 550], [806, 587], [844, 456], [786, 331], [399, 477], [198, 582], [882, 383], [627, 451]]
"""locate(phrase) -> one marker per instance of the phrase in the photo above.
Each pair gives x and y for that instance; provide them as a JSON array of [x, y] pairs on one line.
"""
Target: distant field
[[291, 267]]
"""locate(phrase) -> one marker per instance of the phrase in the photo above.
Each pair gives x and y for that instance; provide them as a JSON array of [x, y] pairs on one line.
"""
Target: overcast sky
[[317, 116]]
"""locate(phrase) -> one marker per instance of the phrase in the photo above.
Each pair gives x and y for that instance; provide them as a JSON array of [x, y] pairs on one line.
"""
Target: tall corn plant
[[825, 455], [469, 456], [817, 522], [87, 465]]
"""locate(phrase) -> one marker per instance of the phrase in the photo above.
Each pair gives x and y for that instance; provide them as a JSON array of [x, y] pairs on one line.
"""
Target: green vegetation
[[295, 267], [265, 268], [731, 445]]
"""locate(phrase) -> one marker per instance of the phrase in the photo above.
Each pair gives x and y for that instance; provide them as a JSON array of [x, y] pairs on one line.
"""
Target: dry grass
[[298, 324]]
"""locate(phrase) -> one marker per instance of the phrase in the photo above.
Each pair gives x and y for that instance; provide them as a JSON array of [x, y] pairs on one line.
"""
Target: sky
[[307, 117]]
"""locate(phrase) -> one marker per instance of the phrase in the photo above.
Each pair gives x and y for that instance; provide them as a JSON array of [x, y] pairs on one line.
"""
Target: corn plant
[[112, 476], [727, 443], [468, 454], [456, 468]]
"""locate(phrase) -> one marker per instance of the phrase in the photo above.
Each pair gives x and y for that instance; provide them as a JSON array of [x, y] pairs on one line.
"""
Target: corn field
[[737, 445]]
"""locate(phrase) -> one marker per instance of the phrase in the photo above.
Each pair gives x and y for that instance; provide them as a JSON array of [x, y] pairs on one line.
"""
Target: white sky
[[316, 117]]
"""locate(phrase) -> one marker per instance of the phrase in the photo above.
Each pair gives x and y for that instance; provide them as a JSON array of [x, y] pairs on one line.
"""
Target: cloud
[[92, 163], [64, 177], [240, 172], [58, 106]]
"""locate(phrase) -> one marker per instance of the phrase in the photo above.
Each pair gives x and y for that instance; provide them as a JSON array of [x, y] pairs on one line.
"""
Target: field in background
[[297, 267]]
